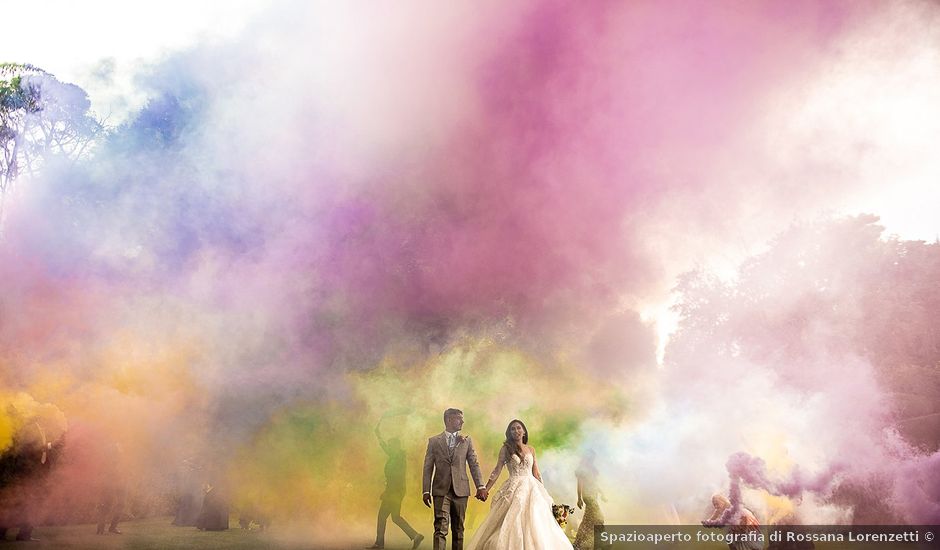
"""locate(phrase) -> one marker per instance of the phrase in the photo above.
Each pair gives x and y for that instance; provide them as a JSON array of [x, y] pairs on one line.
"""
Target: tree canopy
[[824, 292], [41, 120]]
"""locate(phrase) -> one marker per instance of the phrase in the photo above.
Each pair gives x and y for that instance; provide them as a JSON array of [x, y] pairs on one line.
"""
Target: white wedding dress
[[520, 515]]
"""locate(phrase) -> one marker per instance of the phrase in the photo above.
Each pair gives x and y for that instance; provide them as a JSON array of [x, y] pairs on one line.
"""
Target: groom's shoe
[[417, 541]]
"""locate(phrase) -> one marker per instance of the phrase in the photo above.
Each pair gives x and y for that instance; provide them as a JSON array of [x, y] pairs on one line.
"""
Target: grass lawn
[[158, 533]]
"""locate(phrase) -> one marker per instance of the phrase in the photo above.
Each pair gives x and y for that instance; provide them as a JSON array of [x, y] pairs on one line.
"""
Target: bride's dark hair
[[510, 443]]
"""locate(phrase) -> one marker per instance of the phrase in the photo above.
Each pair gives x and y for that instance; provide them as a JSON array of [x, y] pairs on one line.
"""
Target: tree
[[842, 322], [41, 120], [827, 290]]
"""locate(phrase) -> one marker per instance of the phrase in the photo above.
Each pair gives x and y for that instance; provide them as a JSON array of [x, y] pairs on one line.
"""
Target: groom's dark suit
[[445, 478]]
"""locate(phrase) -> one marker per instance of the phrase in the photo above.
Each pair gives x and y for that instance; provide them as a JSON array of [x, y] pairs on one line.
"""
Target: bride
[[521, 512]]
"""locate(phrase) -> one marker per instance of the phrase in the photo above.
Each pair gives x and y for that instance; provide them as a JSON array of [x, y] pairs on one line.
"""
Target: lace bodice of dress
[[517, 466]]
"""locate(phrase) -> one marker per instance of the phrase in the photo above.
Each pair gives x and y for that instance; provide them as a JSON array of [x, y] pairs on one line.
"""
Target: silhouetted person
[[394, 492], [23, 469], [215, 505], [113, 491], [588, 493], [737, 520], [191, 494]]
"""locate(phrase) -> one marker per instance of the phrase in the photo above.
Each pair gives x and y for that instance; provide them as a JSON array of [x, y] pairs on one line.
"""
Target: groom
[[446, 462]]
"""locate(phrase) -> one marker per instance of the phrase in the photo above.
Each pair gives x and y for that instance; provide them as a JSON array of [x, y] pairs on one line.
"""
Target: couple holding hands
[[521, 512]]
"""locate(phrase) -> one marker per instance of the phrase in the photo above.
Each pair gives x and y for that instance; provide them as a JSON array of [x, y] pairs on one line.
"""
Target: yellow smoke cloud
[[27, 423]]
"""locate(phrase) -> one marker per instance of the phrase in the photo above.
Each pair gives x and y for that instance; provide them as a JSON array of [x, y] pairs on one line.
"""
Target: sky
[[101, 45], [363, 211]]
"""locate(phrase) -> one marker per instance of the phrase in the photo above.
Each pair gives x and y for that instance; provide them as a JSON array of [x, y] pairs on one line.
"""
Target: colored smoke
[[357, 209]]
